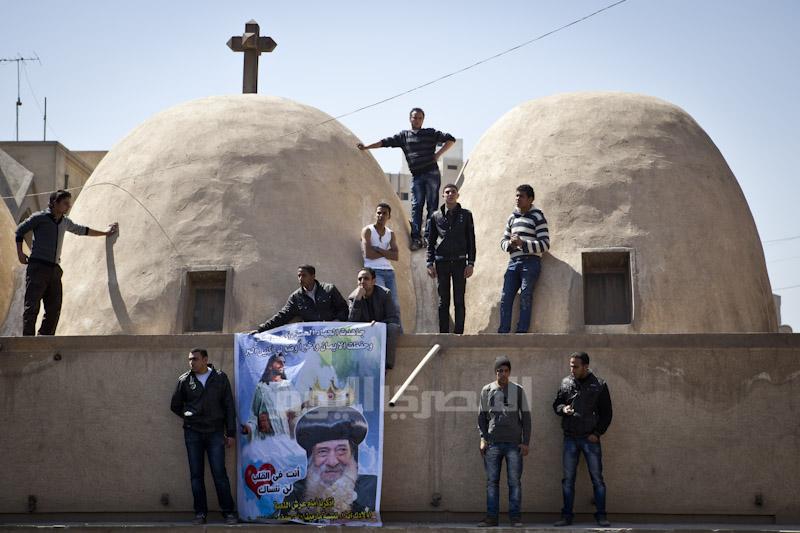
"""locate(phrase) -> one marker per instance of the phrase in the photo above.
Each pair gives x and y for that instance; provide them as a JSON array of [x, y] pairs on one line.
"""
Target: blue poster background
[[328, 365]]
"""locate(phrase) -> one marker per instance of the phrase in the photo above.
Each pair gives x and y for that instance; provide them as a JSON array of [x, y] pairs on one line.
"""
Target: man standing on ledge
[[43, 275], [451, 256], [419, 146], [312, 302], [203, 399], [504, 421], [525, 239], [584, 403], [380, 248]]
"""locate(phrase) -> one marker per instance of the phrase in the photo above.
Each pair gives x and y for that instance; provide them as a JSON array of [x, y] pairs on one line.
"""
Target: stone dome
[[228, 192], [631, 187], [8, 261]]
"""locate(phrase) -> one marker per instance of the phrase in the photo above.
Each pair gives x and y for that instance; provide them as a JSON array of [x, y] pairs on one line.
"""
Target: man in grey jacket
[[504, 422], [370, 302], [43, 274]]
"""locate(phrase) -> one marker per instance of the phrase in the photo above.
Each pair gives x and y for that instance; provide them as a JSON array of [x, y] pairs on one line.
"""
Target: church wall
[[703, 424]]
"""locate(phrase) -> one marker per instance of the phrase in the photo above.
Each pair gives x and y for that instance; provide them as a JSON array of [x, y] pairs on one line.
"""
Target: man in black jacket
[[312, 302], [369, 302], [203, 399], [451, 256], [584, 403]]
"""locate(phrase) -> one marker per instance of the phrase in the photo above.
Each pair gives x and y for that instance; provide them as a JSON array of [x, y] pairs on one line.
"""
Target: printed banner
[[309, 398]]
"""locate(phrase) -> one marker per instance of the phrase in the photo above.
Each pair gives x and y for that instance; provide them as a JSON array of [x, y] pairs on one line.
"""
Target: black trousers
[[42, 282], [449, 272]]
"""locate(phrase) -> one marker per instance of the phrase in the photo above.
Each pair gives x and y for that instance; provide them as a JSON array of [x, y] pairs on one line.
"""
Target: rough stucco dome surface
[[8, 260], [246, 182], [628, 171]]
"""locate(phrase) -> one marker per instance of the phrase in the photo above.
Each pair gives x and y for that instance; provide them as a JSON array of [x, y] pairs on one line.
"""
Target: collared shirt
[[48, 235]]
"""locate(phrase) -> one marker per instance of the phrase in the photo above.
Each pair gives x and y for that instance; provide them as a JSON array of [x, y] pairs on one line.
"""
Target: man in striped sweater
[[525, 239], [419, 146]]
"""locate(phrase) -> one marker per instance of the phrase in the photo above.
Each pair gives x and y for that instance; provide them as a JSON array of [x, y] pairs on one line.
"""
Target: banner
[[309, 399]]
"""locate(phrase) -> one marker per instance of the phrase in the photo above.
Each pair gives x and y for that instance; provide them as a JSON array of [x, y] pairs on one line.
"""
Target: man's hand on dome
[[361, 146], [112, 229]]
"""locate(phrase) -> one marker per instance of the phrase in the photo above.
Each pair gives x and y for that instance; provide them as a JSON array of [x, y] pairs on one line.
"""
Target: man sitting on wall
[[312, 302], [370, 302]]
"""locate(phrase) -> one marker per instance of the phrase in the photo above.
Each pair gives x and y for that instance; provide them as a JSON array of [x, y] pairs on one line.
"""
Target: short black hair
[[308, 269], [59, 195], [418, 110], [385, 206], [583, 356], [527, 189], [450, 186], [368, 270], [202, 351]]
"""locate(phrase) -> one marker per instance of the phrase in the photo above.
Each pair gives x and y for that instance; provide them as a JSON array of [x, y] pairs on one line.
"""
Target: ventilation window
[[404, 196], [607, 297], [205, 302], [452, 167]]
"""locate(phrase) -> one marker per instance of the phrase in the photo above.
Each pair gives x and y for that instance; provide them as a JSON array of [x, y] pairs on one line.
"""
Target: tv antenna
[[19, 59]]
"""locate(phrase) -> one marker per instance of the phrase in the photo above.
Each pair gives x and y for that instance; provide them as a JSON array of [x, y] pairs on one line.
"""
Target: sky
[[733, 65]]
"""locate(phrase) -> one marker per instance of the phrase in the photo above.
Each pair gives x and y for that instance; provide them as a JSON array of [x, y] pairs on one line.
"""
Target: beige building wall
[[625, 173], [53, 166], [703, 424]]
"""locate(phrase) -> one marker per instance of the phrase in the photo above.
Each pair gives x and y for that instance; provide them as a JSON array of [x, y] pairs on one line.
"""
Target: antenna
[[18, 60]]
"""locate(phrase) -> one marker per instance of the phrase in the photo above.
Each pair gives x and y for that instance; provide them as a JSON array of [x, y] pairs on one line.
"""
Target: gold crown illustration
[[333, 396]]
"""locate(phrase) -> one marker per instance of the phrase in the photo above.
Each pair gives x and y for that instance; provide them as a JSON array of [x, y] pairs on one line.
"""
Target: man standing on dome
[[526, 238], [419, 146], [451, 256], [43, 274], [379, 247]]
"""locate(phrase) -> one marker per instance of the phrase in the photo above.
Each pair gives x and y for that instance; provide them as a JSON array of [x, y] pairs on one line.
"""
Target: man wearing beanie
[[584, 403], [504, 422]]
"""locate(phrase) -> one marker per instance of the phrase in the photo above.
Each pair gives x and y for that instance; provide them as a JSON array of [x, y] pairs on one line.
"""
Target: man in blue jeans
[[419, 146], [504, 422], [584, 403], [203, 399], [525, 239]]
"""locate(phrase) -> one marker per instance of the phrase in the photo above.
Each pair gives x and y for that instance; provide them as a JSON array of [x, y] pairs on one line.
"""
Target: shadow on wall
[[12, 327], [556, 277], [117, 302]]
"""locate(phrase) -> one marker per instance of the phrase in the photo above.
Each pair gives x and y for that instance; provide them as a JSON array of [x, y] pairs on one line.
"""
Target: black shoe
[[416, 244], [230, 518], [199, 519], [516, 521], [489, 521], [602, 521], [565, 521]]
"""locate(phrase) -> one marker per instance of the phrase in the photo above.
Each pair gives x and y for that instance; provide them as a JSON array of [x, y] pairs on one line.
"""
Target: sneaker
[[416, 244], [602, 521], [516, 521], [230, 518], [199, 519], [565, 521], [489, 521]]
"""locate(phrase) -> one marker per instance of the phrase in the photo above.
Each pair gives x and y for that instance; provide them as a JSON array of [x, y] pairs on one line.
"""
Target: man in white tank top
[[379, 246]]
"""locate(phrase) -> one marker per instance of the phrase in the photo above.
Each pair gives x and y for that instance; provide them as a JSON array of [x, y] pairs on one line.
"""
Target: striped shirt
[[418, 146], [532, 229]]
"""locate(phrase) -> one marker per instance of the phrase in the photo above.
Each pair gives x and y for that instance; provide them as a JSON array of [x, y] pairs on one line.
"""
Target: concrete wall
[[702, 424]]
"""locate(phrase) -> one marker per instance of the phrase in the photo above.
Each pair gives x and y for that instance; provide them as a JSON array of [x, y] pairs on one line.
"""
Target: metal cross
[[252, 44]]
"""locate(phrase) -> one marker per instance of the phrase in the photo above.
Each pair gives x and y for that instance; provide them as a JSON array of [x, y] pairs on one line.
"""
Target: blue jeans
[[592, 451], [424, 190], [521, 275], [492, 461], [197, 445], [385, 278]]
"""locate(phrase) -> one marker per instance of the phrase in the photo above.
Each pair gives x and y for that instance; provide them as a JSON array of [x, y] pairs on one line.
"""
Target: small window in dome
[[607, 294], [205, 300]]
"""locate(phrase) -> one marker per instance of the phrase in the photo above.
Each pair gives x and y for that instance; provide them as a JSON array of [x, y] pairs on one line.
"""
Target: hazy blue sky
[[733, 65]]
